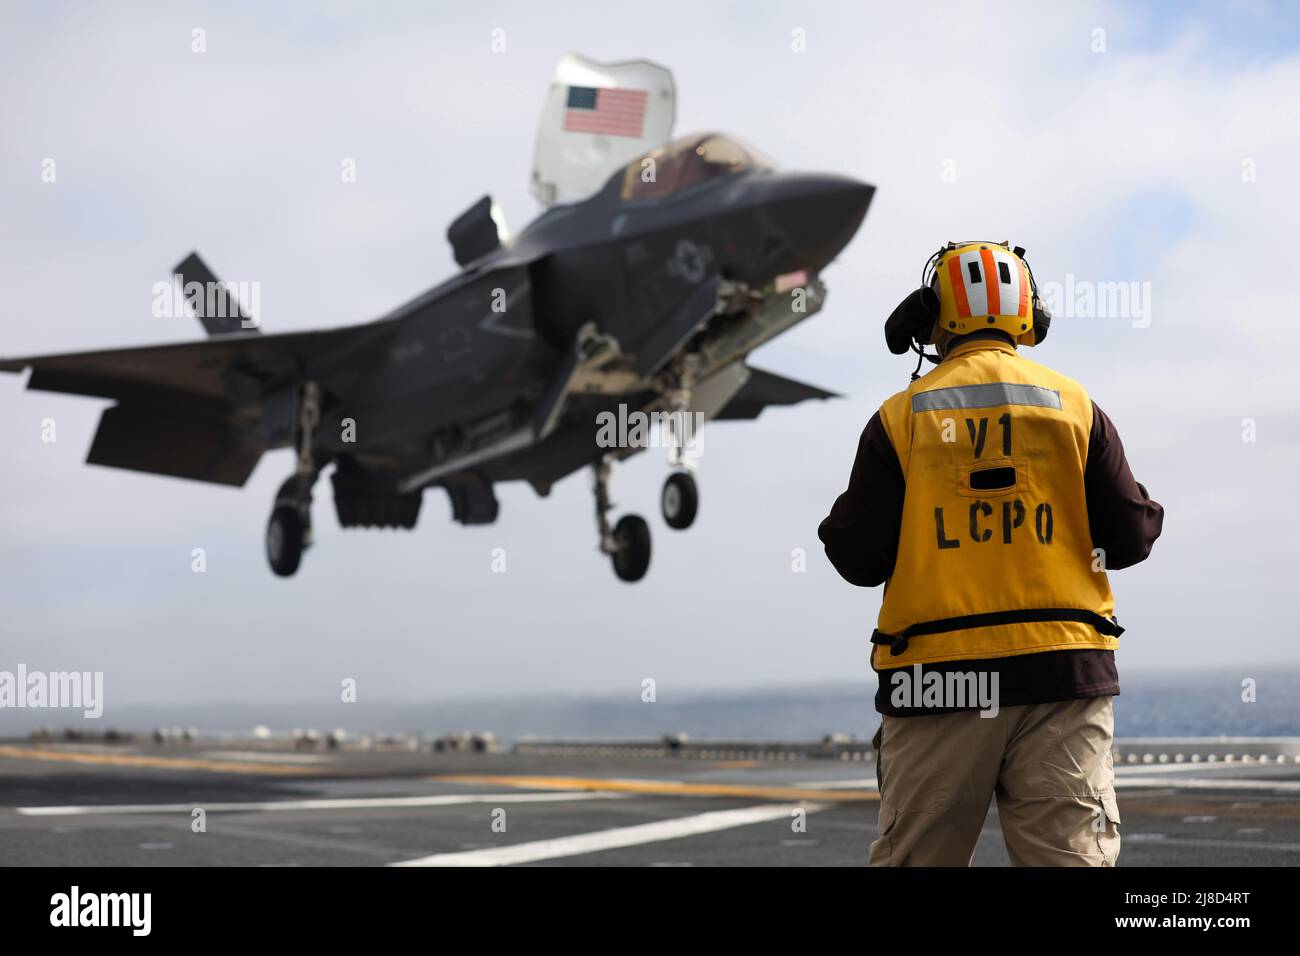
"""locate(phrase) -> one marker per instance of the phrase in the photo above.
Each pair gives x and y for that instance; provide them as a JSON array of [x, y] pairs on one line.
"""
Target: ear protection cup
[[1042, 315], [912, 319], [1042, 320]]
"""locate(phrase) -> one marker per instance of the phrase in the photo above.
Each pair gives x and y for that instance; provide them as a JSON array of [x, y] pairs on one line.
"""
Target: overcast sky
[[1162, 150]]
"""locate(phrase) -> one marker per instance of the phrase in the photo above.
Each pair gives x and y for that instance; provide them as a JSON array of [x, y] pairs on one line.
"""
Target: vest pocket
[[994, 477]]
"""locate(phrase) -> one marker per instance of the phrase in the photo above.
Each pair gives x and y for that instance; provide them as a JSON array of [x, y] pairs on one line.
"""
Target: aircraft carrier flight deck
[[195, 801]]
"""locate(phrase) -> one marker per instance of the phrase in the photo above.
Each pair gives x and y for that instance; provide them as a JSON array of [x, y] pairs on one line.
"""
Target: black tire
[[633, 555], [680, 500], [284, 539]]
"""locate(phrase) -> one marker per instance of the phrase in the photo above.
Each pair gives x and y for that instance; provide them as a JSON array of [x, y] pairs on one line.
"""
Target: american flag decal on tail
[[604, 110]]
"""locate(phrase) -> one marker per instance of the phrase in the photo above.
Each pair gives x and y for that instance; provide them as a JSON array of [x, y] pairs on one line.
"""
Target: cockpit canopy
[[686, 162]]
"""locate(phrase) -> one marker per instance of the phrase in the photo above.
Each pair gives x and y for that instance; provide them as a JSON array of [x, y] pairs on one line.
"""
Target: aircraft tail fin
[[213, 301], [597, 118]]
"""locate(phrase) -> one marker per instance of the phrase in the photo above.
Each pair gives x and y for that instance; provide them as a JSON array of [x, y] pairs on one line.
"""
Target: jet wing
[[203, 410], [764, 389], [234, 368]]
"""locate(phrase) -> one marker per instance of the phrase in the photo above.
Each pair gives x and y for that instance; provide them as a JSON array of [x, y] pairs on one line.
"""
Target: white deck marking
[[599, 840], [265, 756], [1160, 839], [831, 784], [1139, 769], [356, 803], [1223, 783], [1135, 775]]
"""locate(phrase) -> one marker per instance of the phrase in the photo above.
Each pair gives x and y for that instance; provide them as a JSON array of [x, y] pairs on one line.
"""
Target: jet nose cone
[[817, 214]]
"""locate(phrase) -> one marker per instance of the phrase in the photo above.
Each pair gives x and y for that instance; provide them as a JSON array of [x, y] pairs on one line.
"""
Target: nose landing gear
[[680, 500]]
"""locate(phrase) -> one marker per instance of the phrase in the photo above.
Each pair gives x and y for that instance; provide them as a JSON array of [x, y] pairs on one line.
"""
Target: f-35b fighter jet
[[658, 265]]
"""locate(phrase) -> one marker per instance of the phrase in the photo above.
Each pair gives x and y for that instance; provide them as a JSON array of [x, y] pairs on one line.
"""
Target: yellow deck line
[[667, 787], [161, 763]]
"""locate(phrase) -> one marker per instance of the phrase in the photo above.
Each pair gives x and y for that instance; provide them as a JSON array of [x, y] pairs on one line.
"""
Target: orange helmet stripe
[[1024, 291], [958, 284], [991, 284]]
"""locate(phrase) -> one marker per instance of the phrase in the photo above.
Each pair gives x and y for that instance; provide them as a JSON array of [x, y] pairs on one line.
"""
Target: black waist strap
[[898, 642]]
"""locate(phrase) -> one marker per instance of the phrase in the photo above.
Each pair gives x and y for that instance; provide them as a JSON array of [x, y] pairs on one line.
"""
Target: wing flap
[[205, 410], [767, 388], [145, 438], [236, 366]]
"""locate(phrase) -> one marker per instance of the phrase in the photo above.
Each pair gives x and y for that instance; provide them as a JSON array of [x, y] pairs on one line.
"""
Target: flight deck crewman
[[990, 497]]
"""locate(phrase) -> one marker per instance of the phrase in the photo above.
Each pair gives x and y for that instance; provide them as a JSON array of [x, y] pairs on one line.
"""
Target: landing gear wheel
[[285, 534], [632, 558], [680, 500]]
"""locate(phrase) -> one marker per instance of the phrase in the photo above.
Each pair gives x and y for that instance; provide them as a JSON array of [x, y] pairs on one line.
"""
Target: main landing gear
[[628, 542], [286, 538], [288, 533]]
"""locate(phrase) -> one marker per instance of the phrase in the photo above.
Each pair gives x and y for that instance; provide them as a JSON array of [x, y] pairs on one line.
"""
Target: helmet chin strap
[[922, 354]]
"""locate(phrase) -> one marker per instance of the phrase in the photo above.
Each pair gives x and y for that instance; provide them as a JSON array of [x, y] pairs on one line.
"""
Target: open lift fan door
[[598, 117]]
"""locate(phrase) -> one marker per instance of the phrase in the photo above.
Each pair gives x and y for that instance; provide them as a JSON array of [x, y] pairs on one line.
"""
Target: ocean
[[1174, 704]]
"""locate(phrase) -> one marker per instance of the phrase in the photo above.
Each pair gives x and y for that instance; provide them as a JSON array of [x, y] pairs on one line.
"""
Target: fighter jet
[[658, 265]]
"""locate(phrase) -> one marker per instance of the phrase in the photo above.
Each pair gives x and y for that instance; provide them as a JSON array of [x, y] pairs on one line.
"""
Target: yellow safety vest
[[995, 557]]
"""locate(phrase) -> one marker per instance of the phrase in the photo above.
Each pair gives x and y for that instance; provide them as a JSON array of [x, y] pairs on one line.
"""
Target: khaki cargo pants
[[1048, 765]]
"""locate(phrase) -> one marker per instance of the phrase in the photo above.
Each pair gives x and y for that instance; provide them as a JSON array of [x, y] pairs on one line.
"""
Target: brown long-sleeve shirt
[[861, 539]]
